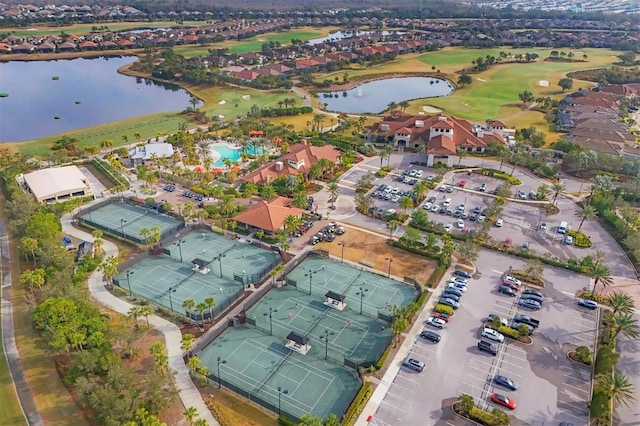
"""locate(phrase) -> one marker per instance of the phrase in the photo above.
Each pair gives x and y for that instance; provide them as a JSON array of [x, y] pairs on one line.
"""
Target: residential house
[[299, 159], [268, 216]]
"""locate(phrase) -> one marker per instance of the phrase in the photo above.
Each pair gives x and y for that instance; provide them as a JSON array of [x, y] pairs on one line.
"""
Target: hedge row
[[606, 359], [286, 421], [358, 404], [500, 175], [481, 416], [415, 250], [383, 358], [580, 239], [110, 173], [443, 309], [508, 331]]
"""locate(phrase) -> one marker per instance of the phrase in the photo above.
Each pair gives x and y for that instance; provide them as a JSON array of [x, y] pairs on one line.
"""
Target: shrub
[[358, 404], [523, 330], [600, 404], [443, 309], [383, 358], [481, 416], [580, 239], [508, 331], [605, 360], [286, 421], [500, 175], [584, 354], [381, 173]]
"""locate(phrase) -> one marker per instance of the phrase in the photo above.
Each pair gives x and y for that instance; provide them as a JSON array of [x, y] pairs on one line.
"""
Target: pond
[[50, 97], [375, 96]]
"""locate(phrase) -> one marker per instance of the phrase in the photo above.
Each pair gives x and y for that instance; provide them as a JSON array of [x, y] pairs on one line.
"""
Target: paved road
[[28, 406], [187, 391]]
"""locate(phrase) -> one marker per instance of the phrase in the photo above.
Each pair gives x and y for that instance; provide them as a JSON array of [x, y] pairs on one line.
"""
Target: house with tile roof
[[298, 160], [268, 216], [441, 135]]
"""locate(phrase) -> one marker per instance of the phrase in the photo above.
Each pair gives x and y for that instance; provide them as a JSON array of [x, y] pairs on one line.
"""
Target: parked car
[[505, 289], [532, 297], [529, 304], [462, 273], [533, 195], [427, 206], [430, 335], [532, 291], [440, 315], [431, 199], [589, 304], [460, 224], [340, 230], [511, 280], [483, 187], [492, 334], [516, 325], [521, 195], [457, 286], [506, 382], [543, 226], [481, 218], [503, 400], [449, 302], [413, 364], [451, 296], [485, 346], [460, 280], [568, 240], [436, 322], [527, 320], [499, 223], [448, 227], [491, 317], [462, 183]]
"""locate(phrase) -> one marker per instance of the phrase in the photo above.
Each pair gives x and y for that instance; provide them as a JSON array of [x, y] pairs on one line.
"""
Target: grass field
[[9, 404], [254, 44], [80, 29]]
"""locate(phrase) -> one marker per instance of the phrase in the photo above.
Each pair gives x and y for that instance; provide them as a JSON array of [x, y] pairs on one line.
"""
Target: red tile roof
[[268, 215]]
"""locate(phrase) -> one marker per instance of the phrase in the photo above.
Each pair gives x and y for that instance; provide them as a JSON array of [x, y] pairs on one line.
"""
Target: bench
[[367, 263]]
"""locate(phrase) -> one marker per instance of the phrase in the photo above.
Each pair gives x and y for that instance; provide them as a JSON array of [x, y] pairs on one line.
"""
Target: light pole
[[219, 259], [122, 222], [129, 273], [179, 244], [361, 294], [389, 270], [171, 290], [311, 274], [280, 393], [325, 336], [270, 315], [341, 244], [220, 361]]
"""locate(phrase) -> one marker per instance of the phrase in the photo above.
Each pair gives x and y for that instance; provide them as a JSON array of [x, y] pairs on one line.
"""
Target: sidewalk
[[394, 367], [187, 391]]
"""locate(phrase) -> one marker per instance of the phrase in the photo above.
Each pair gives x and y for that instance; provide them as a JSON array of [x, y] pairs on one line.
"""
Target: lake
[[88, 92], [373, 97]]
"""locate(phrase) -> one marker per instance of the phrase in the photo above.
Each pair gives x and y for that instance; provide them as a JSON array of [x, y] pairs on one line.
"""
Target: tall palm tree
[[587, 213], [386, 153], [210, 301], [462, 152], [334, 190], [421, 188], [392, 225], [406, 203], [291, 223], [624, 324], [249, 190], [188, 306], [268, 192], [403, 105], [201, 307], [300, 200], [227, 206], [619, 388], [145, 233], [557, 188], [620, 302], [602, 275]]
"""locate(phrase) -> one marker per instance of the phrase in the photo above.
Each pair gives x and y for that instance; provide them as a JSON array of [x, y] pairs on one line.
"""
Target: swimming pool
[[232, 154]]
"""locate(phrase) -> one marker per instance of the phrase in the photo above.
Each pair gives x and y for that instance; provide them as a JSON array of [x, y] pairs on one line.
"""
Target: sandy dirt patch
[[481, 79], [222, 102], [364, 246], [431, 110], [246, 97]]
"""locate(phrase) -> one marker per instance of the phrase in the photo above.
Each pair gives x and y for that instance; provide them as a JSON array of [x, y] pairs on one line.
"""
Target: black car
[[505, 289], [487, 347], [431, 199], [506, 382], [533, 292], [430, 335], [330, 237], [461, 273], [532, 297], [451, 296]]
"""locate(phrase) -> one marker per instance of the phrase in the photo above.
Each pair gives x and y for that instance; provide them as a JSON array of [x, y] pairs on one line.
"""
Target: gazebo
[[298, 343], [335, 300], [201, 265]]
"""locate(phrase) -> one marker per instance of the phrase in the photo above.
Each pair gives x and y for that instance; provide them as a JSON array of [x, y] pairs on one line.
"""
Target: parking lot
[[552, 389]]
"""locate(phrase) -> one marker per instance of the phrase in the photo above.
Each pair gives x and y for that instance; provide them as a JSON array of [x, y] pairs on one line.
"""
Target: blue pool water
[[232, 154]]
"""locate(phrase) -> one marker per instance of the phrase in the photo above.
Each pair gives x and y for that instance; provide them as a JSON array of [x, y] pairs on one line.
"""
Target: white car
[[481, 218], [460, 224], [436, 322], [460, 280], [492, 335], [448, 227], [427, 206], [447, 202], [458, 286], [499, 223], [510, 279], [391, 211], [395, 198], [419, 173], [435, 208]]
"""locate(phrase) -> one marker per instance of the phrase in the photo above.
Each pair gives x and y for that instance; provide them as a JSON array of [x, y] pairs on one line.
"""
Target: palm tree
[[462, 152], [315, 171], [622, 323], [299, 200], [188, 306], [587, 213], [249, 190], [391, 106], [619, 388], [403, 105], [210, 301], [201, 307], [268, 192], [386, 153], [421, 188], [601, 274], [190, 413], [406, 203], [227, 206], [291, 223], [557, 188], [28, 244], [620, 302], [334, 189], [392, 225], [145, 233]]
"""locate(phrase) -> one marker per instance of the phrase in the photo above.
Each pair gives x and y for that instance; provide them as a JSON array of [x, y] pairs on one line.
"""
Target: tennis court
[[258, 364], [126, 220], [378, 293], [168, 281]]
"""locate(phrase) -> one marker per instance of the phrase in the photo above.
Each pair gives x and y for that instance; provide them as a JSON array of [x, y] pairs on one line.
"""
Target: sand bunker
[[481, 79], [431, 110], [222, 102], [220, 116], [246, 97]]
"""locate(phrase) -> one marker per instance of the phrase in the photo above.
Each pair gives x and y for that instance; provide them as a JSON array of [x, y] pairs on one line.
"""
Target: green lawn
[[80, 29], [9, 405], [255, 44]]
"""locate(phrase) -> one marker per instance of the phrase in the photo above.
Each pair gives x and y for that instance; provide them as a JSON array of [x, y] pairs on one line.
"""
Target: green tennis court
[[126, 220], [377, 293], [256, 365], [167, 281]]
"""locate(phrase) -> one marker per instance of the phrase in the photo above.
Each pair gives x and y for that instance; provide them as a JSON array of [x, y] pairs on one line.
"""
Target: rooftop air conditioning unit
[[279, 166], [419, 123], [384, 127]]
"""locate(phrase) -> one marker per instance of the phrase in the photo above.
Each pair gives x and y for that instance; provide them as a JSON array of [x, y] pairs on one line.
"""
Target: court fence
[[83, 216]]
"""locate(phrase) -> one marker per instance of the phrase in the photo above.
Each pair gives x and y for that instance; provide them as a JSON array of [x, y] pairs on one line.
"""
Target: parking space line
[[511, 373], [570, 414], [574, 396], [412, 390], [586, 391], [480, 378], [475, 387], [517, 349], [511, 364]]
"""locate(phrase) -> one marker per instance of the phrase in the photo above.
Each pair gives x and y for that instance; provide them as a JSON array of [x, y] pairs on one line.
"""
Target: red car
[[514, 286], [462, 183], [503, 400], [443, 317]]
